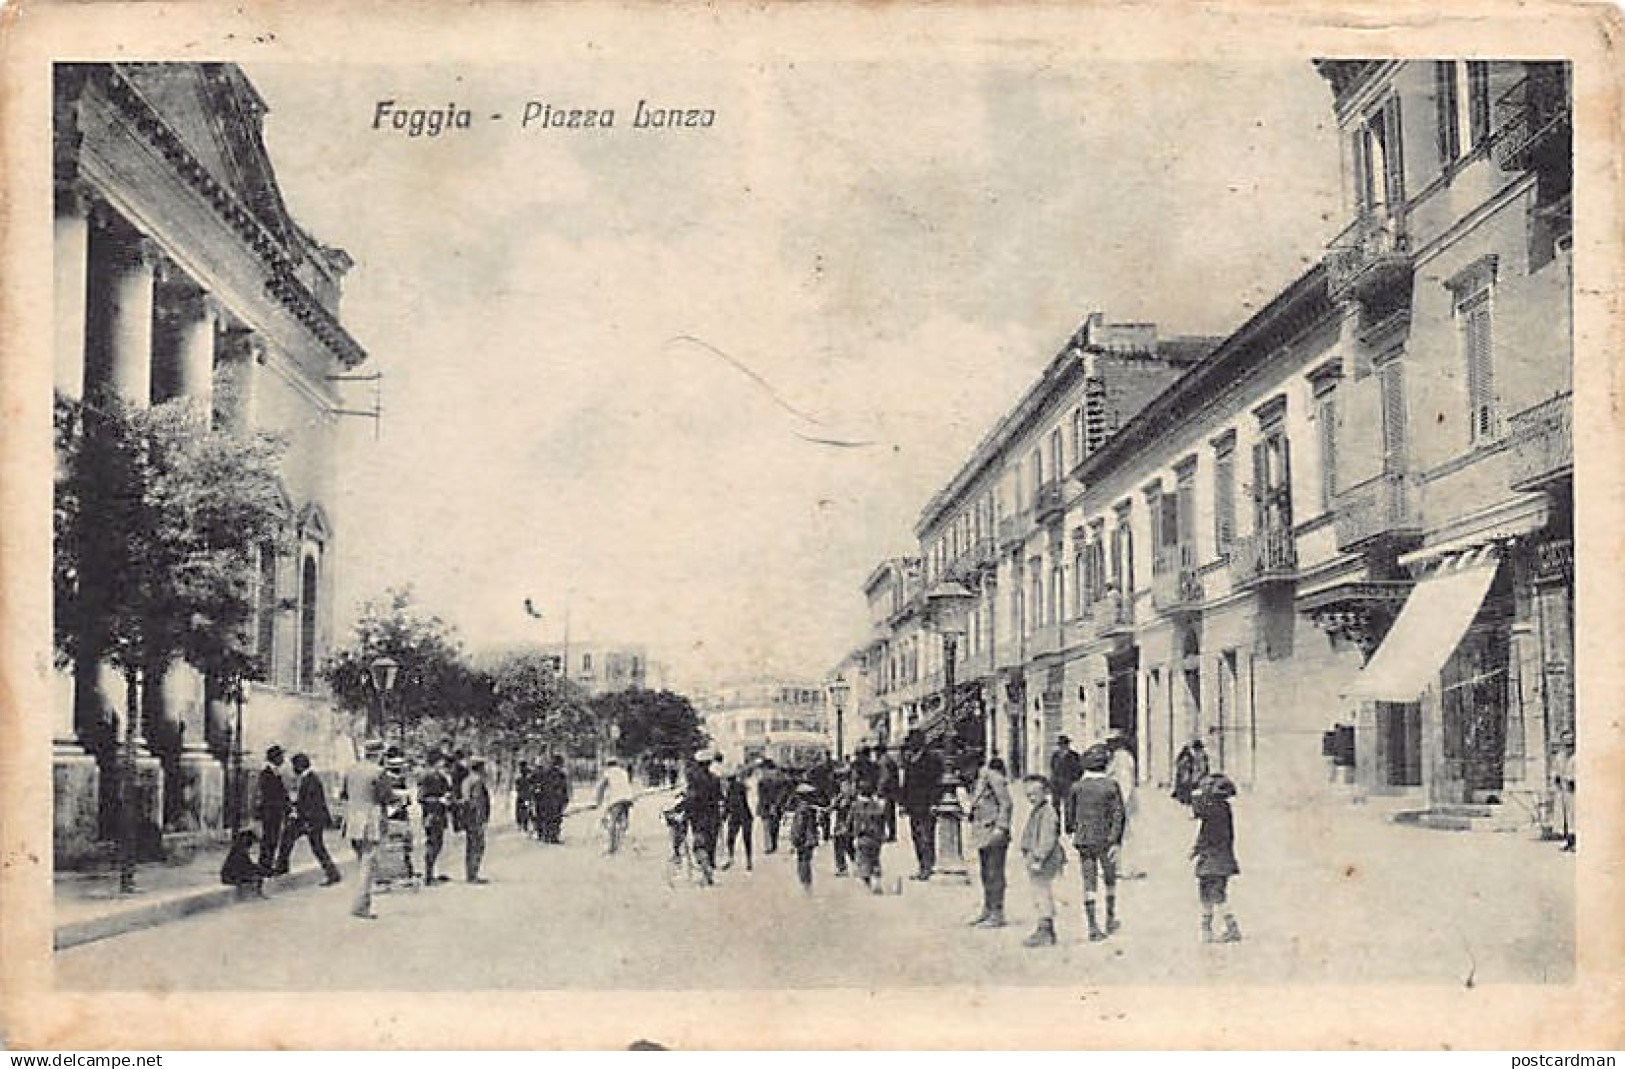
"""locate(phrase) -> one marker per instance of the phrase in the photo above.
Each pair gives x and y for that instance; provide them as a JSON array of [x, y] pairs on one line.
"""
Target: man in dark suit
[[311, 818], [476, 811], [272, 810], [435, 798], [922, 789]]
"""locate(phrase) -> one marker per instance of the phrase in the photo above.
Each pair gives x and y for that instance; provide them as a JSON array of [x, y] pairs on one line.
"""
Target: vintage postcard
[[828, 526]]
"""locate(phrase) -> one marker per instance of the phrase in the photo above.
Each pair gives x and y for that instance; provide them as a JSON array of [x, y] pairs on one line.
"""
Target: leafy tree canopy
[[656, 723]]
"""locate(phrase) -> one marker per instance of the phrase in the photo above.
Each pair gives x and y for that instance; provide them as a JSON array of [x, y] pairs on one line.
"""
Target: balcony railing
[[1266, 556], [1112, 615], [1384, 506], [1372, 255], [1532, 118], [1048, 504], [1176, 583], [1542, 440], [1013, 529]]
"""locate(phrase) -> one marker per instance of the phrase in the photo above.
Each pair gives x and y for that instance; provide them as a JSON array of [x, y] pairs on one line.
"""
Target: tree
[[653, 723], [434, 681], [536, 706], [158, 522]]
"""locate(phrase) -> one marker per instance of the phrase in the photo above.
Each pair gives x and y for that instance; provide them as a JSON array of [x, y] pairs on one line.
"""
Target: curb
[[172, 906]]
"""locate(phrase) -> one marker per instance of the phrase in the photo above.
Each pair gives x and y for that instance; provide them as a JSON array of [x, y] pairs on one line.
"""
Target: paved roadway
[[1326, 895]]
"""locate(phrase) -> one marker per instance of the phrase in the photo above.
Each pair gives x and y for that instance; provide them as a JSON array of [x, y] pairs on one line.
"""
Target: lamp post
[[947, 606], [382, 672], [838, 690]]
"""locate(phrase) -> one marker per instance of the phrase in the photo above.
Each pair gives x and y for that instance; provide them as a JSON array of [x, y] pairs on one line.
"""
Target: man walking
[[702, 803], [922, 787], [1095, 815], [476, 809], [1065, 769], [434, 798], [311, 819], [990, 815], [772, 791], [1124, 773], [365, 793], [552, 795], [273, 811]]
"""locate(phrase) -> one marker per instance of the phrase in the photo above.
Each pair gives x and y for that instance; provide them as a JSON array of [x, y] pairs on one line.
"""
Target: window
[[1185, 493], [1035, 609], [307, 625], [1123, 552], [1463, 121], [1224, 497], [586, 662], [1078, 441], [1082, 586], [1272, 482], [1477, 349], [1379, 171], [1056, 457]]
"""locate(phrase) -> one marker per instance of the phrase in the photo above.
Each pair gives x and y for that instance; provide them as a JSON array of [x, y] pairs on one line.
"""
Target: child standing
[[1095, 813], [841, 825], [1215, 853], [1044, 857], [804, 832], [868, 832]]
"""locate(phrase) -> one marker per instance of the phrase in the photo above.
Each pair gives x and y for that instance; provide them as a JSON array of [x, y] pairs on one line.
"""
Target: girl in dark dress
[[1215, 853], [240, 870]]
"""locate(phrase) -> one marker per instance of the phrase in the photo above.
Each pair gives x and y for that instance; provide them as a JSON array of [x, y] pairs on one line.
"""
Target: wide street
[[1332, 895]]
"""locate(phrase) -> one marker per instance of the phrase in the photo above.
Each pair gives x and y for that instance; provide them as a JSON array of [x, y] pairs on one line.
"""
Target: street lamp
[[947, 607], [383, 672], [838, 690]]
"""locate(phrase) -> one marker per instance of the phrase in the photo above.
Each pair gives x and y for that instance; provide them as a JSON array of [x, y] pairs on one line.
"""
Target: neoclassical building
[[180, 274]]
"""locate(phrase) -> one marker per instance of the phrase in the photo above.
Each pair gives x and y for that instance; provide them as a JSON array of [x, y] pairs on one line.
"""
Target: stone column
[[185, 360], [119, 346], [237, 361], [71, 255]]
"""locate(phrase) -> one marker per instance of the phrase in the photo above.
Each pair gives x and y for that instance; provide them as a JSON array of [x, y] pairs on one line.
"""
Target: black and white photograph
[[718, 506]]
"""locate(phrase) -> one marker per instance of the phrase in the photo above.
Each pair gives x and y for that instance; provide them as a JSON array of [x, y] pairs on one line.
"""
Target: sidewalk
[[88, 905]]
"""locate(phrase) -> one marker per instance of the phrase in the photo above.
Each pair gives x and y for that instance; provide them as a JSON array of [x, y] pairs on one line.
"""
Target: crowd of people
[[384, 816], [1088, 799]]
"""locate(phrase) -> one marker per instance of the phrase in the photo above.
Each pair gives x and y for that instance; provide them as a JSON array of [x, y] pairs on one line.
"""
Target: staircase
[[1515, 815]]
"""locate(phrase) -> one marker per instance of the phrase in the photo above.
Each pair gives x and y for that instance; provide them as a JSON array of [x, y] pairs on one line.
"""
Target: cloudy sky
[[605, 351]]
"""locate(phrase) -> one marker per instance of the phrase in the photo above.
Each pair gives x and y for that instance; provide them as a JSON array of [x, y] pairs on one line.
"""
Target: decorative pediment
[[313, 525]]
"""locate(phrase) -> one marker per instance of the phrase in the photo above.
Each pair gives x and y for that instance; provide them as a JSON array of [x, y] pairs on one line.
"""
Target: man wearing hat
[[804, 836], [273, 811], [921, 790], [1065, 768], [1095, 816], [365, 792]]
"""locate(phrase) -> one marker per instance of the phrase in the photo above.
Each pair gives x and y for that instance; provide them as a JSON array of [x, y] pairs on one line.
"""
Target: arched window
[[308, 587]]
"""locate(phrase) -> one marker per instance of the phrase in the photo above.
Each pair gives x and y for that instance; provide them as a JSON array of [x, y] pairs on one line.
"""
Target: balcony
[[1111, 616], [1267, 556], [1370, 258], [1384, 507], [1176, 584], [1013, 530], [1049, 504], [1542, 444], [1532, 120]]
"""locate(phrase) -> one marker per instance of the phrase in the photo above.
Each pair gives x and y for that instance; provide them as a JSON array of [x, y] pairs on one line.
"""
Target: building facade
[[179, 274], [605, 667], [1337, 546], [784, 720]]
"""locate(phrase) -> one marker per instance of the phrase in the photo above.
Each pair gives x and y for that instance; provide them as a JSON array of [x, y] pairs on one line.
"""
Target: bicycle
[[615, 822]]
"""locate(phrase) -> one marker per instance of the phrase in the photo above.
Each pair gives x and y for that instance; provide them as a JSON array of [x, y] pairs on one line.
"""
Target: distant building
[[604, 667], [784, 720], [180, 274]]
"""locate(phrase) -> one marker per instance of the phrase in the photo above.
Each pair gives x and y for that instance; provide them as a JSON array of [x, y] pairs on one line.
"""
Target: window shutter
[[1261, 483], [1224, 501], [1170, 519], [1478, 100], [1128, 560], [1444, 99], [1393, 418], [1393, 156], [1283, 492], [1358, 163], [1328, 451], [1480, 374]]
